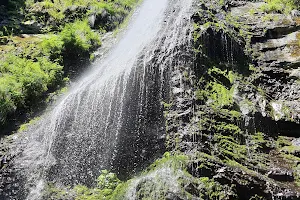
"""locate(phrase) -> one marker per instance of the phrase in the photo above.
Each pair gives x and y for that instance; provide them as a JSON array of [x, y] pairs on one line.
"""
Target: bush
[[52, 47], [33, 69], [79, 38], [24, 81], [107, 183], [10, 95]]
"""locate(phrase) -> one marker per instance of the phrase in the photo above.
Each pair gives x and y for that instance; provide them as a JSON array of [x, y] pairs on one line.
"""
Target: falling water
[[112, 117]]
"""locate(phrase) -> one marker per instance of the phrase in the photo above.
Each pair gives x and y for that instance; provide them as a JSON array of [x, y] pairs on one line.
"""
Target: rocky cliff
[[240, 129], [232, 116], [232, 122]]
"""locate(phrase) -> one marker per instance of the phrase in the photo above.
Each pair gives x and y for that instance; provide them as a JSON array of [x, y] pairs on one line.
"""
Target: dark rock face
[[239, 122], [281, 174]]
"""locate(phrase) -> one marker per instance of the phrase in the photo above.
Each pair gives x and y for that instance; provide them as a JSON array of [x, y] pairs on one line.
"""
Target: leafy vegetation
[[23, 81], [279, 6], [32, 66], [79, 37], [107, 184], [27, 75]]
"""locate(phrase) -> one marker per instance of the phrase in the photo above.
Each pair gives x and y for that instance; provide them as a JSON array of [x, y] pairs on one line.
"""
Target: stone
[[280, 174], [295, 13]]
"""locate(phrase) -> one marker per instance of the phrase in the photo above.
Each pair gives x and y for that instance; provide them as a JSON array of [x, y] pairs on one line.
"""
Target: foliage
[[107, 183], [24, 81], [279, 6], [108, 187], [213, 91], [37, 65], [24, 127], [78, 37], [52, 47], [51, 192], [60, 12]]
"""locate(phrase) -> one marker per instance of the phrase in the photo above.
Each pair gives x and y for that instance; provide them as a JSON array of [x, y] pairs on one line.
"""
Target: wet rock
[[280, 174], [296, 142], [287, 195], [192, 189], [92, 19], [270, 100], [31, 27], [295, 13], [172, 196], [73, 11]]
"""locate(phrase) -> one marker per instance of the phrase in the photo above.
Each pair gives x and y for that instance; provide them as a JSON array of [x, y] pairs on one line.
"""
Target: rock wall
[[236, 119], [232, 117], [240, 128]]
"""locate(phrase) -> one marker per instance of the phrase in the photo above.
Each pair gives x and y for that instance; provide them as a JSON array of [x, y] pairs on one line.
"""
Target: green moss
[[92, 57], [235, 164], [120, 191], [257, 197], [258, 141], [279, 6], [291, 157], [228, 129], [51, 192], [25, 126], [167, 106], [283, 141], [171, 159], [219, 96], [291, 149], [235, 115], [252, 68], [85, 193], [297, 175], [230, 149], [108, 187], [217, 90], [213, 189], [270, 17]]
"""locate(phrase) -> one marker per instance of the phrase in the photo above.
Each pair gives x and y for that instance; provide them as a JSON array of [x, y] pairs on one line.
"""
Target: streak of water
[[112, 117]]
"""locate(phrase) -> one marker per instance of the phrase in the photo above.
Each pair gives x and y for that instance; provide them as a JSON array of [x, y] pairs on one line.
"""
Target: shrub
[[107, 182], [52, 47], [34, 68], [24, 81], [79, 38], [10, 95]]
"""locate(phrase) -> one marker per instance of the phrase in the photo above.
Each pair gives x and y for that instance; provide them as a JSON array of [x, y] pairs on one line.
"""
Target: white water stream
[[112, 117]]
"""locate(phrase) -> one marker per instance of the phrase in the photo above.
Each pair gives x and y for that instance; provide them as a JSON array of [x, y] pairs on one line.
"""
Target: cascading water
[[112, 117]]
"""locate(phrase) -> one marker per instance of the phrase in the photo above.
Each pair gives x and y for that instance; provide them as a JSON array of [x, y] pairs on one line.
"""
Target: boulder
[[280, 174]]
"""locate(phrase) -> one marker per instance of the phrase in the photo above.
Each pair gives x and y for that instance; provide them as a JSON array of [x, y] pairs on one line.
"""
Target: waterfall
[[112, 117]]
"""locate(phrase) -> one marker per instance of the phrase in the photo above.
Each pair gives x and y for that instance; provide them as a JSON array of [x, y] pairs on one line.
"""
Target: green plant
[[78, 37], [24, 81], [279, 6], [52, 46]]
